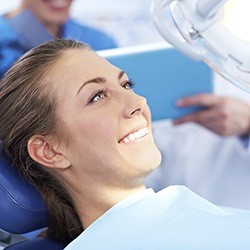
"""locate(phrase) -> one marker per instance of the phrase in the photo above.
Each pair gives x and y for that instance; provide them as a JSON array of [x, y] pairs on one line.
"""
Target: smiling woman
[[103, 122], [73, 126]]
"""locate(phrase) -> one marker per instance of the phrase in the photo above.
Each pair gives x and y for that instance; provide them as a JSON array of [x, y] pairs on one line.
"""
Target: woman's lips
[[136, 135]]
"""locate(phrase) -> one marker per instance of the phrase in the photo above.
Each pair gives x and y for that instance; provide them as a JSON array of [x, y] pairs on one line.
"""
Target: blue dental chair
[[161, 74], [22, 209]]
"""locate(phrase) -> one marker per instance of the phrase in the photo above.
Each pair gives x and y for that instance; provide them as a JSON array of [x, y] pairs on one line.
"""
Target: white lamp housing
[[203, 36]]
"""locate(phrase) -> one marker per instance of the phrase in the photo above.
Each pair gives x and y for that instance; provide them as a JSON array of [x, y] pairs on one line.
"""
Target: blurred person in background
[[37, 21]]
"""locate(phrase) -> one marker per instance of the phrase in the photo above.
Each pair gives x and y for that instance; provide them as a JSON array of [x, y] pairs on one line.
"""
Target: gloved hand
[[222, 115]]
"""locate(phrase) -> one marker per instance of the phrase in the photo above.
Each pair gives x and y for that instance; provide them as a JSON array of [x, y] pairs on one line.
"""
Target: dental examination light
[[209, 30]]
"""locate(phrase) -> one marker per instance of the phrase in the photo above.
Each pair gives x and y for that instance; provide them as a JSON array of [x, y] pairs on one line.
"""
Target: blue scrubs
[[24, 31], [174, 218]]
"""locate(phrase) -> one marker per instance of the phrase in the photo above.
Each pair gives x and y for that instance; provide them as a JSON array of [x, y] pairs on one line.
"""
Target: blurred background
[[128, 21]]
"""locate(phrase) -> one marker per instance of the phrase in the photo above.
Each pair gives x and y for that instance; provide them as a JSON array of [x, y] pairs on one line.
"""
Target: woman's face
[[49, 12], [107, 125]]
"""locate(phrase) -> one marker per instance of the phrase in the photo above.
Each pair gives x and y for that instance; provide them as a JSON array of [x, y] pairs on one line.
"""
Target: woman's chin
[[151, 160]]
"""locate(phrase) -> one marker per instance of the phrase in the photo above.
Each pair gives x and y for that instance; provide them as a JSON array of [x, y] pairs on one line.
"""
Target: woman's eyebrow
[[99, 80], [121, 74]]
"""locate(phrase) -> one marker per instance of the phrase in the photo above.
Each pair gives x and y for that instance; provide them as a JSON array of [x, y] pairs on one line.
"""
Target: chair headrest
[[22, 208]]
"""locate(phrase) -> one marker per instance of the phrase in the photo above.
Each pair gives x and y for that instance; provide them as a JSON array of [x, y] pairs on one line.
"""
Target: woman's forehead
[[78, 65], [83, 61]]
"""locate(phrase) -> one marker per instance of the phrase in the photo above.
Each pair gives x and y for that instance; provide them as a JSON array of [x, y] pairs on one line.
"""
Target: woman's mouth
[[137, 135]]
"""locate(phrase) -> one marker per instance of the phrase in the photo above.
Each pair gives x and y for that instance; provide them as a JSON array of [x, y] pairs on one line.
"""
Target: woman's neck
[[92, 205]]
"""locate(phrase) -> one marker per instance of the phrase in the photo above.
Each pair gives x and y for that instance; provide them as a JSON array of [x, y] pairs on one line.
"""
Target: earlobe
[[45, 152]]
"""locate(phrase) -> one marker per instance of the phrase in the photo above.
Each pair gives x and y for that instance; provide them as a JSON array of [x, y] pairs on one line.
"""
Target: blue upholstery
[[161, 74], [37, 244], [23, 209]]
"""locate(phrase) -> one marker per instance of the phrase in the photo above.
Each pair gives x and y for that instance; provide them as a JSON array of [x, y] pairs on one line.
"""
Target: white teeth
[[136, 135], [126, 140], [131, 137]]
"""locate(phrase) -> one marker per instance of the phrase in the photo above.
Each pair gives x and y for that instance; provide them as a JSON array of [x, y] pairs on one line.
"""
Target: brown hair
[[27, 108]]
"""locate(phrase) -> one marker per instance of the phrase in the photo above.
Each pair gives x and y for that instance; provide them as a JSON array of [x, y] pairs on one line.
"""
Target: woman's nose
[[135, 105]]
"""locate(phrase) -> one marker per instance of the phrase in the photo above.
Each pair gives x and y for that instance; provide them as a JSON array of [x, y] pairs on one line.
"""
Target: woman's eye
[[128, 85], [101, 94]]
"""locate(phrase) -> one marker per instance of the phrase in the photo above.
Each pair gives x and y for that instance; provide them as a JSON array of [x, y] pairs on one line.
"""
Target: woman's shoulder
[[5, 30], [10, 47]]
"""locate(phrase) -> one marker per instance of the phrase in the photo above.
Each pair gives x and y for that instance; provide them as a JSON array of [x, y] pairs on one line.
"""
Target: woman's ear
[[45, 151]]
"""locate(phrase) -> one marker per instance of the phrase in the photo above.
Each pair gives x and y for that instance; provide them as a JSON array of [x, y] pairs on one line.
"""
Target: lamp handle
[[184, 47]]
